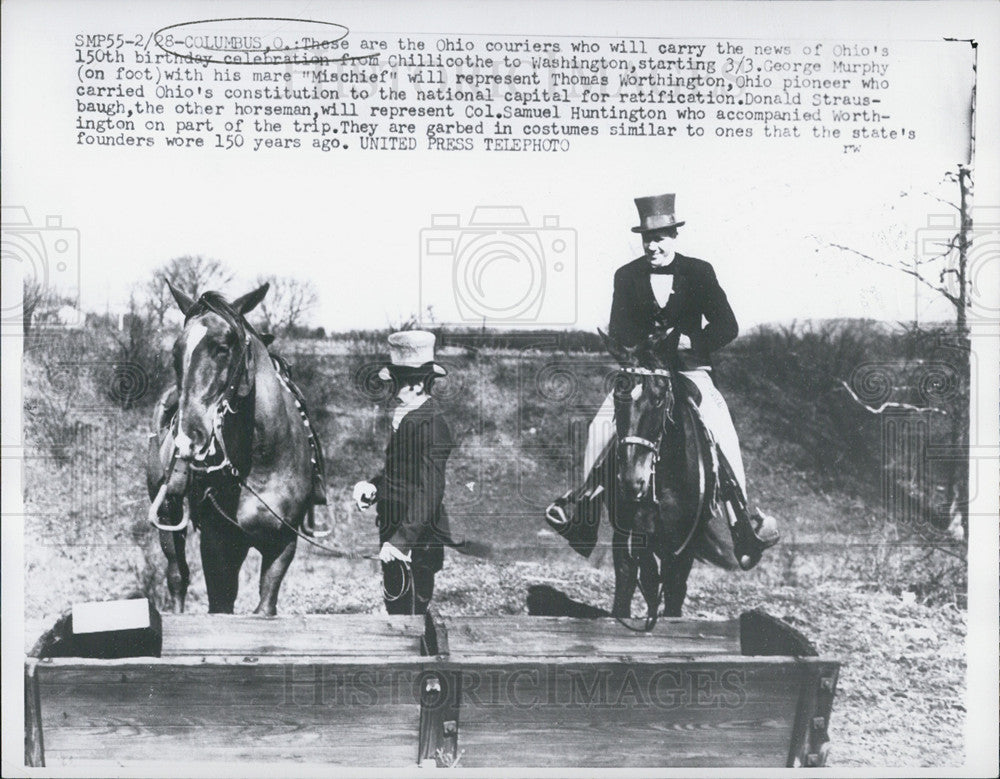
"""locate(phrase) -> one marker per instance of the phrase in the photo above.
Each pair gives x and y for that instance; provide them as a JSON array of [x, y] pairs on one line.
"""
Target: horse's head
[[644, 399], [214, 363]]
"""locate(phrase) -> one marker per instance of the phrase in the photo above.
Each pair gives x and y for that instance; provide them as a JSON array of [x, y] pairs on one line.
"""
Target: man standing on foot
[[408, 492]]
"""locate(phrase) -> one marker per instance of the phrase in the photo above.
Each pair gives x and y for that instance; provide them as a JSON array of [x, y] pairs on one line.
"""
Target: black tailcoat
[[696, 294], [411, 486]]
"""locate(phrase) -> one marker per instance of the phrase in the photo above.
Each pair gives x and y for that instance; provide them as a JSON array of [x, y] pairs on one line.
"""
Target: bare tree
[[41, 304], [34, 295], [288, 303], [946, 273], [193, 274]]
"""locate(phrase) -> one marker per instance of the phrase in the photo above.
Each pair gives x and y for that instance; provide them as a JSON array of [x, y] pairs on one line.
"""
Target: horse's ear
[[624, 354], [654, 350], [249, 301], [659, 335], [184, 301]]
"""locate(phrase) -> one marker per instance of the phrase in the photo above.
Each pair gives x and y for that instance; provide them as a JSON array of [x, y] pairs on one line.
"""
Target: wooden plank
[[435, 639], [609, 714], [564, 636], [343, 635], [387, 745], [349, 714], [167, 693], [34, 745], [439, 710], [388, 742], [809, 736], [762, 634]]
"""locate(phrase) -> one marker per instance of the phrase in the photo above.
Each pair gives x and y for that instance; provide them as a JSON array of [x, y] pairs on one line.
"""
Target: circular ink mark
[[256, 40]]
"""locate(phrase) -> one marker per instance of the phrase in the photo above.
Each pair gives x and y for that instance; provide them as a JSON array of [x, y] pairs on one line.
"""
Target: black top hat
[[655, 213]]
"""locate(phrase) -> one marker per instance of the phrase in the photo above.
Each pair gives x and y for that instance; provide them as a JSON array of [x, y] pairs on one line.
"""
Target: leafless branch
[[954, 300], [954, 244], [942, 200], [890, 404]]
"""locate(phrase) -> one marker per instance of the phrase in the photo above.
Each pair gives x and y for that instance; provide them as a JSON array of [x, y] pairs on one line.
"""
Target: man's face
[[659, 244], [409, 393]]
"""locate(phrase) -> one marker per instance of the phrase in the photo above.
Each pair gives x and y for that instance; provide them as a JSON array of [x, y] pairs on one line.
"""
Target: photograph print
[[586, 387]]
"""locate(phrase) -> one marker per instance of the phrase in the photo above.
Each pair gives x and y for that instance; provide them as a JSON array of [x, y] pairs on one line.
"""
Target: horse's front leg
[[173, 543], [675, 578], [275, 559], [626, 575], [649, 580], [223, 550]]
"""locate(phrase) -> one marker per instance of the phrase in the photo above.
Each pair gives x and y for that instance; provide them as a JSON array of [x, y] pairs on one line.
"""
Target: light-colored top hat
[[411, 353], [655, 213]]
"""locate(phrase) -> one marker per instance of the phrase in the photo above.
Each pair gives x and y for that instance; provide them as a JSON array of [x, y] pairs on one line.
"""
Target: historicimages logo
[[498, 269], [47, 258]]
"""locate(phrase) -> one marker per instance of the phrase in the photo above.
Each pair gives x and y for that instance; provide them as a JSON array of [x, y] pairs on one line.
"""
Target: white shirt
[[405, 408], [662, 283], [663, 286]]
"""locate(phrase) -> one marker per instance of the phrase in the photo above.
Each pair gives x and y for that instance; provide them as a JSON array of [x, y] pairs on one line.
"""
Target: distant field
[[875, 583]]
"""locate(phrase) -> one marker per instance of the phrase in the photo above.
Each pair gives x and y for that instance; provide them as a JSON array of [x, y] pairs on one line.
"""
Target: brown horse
[[237, 449], [663, 509]]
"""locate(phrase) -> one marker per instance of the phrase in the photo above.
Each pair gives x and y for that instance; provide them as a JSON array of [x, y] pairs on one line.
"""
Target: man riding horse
[[664, 297]]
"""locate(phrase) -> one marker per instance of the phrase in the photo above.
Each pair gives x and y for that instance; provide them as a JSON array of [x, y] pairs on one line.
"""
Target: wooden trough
[[369, 690]]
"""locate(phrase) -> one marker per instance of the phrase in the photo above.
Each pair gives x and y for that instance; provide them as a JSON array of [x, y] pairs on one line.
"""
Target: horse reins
[[408, 580]]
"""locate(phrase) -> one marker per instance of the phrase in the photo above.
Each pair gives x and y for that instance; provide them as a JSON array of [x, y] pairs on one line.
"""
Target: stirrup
[[313, 529], [154, 513]]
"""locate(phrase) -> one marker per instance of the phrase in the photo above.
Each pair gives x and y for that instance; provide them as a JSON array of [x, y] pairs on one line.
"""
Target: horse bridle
[[224, 405], [645, 443]]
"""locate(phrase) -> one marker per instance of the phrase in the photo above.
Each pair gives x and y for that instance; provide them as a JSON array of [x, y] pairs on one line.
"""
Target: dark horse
[[238, 449], [664, 511]]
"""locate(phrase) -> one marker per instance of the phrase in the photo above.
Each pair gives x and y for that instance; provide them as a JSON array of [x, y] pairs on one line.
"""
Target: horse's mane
[[217, 304]]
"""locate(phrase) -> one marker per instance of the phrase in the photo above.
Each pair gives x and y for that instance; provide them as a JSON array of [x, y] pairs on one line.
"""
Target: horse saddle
[[751, 535]]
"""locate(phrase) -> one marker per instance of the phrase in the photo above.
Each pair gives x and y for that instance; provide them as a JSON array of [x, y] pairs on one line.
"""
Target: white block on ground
[[102, 616]]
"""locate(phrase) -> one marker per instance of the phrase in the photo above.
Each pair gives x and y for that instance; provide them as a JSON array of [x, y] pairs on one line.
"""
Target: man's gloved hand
[[684, 342], [364, 494], [388, 553]]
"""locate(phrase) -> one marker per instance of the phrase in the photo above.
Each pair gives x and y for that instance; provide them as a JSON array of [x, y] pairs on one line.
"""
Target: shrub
[[134, 368], [823, 385]]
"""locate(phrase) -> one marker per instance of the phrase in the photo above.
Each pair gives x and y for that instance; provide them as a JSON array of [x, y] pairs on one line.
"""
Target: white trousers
[[713, 410]]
